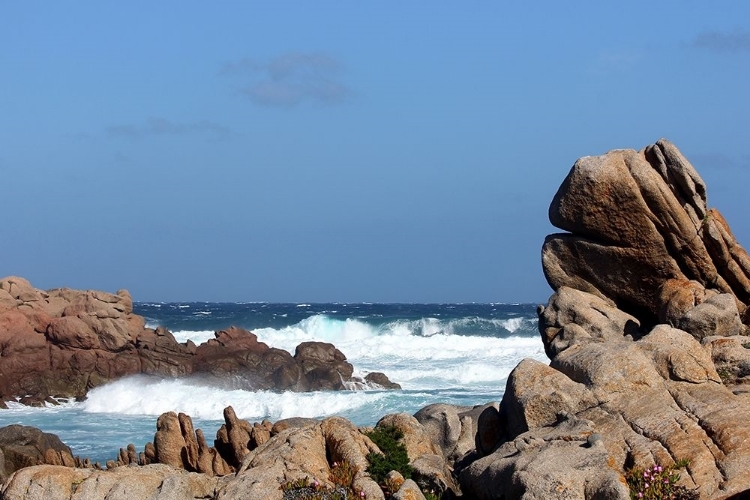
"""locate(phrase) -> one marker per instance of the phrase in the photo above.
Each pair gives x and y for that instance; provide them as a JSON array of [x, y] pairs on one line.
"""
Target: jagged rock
[[731, 357], [287, 423], [238, 433], [206, 454], [575, 316], [293, 454], [190, 451], [717, 315], [344, 442], [168, 441]]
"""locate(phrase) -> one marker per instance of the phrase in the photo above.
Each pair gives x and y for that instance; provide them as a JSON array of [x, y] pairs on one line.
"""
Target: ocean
[[460, 354]]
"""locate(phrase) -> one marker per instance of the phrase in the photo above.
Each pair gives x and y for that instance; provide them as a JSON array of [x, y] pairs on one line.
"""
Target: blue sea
[[450, 353]]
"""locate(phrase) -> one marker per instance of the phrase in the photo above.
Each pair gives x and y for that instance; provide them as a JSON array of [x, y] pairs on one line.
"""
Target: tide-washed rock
[[63, 342]]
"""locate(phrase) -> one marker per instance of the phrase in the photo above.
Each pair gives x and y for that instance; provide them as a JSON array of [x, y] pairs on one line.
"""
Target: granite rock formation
[[645, 335], [22, 446], [62, 342]]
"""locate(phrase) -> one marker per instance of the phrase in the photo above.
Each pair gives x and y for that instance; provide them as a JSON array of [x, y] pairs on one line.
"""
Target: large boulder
[[645, 211], [23, 446]]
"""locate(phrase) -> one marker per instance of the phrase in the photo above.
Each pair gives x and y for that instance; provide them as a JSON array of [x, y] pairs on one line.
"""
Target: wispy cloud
[[290, 79], [735, 41], [155, 126]]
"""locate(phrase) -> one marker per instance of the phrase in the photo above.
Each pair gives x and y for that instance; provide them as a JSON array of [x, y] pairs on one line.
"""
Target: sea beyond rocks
[[646, 333]]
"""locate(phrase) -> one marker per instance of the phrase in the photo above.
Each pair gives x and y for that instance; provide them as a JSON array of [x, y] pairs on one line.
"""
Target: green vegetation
[[726, 375], [394, 455], [341, 475], [658, 483]]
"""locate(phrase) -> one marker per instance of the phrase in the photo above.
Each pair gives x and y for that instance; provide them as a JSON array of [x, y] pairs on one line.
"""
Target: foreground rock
[[157, 482], [22, 446], [64, 342], [651, 296]]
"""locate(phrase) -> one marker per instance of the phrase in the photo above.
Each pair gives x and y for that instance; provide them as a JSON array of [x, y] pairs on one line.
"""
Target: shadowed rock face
[[651, 290], [64, 342]]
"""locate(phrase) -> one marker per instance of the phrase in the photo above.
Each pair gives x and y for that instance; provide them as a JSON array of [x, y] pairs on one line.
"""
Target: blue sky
[[342, 151]]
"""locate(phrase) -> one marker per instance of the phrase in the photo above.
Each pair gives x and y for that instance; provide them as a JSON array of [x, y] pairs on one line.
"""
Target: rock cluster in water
[[63, 342], [650, 365]]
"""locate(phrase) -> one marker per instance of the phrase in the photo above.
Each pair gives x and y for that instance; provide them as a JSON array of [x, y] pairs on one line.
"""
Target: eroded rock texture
[[636, 219], [645, 337]]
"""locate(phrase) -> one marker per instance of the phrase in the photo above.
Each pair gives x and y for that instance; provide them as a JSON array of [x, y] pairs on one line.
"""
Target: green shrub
[[394, 455]]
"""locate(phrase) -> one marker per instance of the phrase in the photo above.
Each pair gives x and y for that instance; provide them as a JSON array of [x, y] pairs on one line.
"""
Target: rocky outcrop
[[158, 482], [636, 219], [260, 460], [62, 342], [646, 340], [22, 446]]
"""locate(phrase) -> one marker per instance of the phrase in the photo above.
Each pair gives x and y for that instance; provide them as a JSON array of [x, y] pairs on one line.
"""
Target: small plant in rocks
[[341, 475], [394, 455], [658, 483]]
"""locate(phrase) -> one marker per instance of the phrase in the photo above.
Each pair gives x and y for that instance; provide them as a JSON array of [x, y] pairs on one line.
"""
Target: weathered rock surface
[[257, 459], [644, 333], [22, 446], [636, 220], [62, 342], [156, 482]]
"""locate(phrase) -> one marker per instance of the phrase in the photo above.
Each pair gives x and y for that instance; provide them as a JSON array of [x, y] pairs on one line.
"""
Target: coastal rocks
[[23, 446], [261, 460], [645, 337], [157, 482], [62, 342], [647, 212], [546, 463]]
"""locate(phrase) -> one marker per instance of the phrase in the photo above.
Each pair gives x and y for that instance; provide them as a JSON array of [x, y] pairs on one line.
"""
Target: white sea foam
[[145, 396], [418, 354], [196, 336]]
